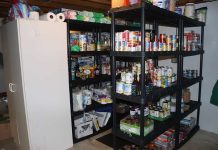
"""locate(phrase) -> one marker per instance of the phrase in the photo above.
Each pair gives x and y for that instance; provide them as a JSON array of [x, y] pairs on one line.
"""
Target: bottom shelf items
[[88, 129], [129, 129]]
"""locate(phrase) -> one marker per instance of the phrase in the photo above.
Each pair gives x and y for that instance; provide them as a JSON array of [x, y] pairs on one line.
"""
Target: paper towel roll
[[60, 17], [48, 17], [34, 15]]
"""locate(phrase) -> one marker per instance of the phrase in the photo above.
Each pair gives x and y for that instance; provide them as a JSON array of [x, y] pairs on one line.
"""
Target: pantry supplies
[[201, 14], [131, 41], [186, 95], [190, 74], [161, 111], [166, 140], [191, 41], [189, 10], [131, 125]]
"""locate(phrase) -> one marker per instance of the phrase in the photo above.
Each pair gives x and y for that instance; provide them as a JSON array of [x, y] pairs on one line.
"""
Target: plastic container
[[189, 10]]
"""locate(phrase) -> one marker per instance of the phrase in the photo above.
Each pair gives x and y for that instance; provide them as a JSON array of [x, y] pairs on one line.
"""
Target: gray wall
[[208, 119], [2, 87]]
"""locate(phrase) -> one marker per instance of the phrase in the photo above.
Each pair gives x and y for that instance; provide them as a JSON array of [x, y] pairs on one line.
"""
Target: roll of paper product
[[34, 15], [48, 17], [60, 17]]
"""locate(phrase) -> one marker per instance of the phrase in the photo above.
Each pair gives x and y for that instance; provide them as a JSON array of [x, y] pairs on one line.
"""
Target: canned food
[[127, 89], [147, 46], [82, 42], [129, 77], [154, 46], [120, 87], [160, 46]]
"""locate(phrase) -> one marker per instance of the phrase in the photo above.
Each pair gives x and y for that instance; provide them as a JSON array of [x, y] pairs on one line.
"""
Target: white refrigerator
[[36, 72]]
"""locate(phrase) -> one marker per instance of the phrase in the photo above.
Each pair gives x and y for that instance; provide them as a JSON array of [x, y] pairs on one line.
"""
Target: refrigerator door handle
[[12, 88]]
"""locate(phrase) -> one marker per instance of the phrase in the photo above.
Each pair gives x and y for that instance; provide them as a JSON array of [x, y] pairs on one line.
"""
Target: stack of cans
[[190, 73], [131, 41], [191, 41]]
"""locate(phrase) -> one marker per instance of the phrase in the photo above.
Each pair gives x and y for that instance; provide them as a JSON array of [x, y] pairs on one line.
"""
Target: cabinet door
[[45, 69], [8, 79], [15, 83]]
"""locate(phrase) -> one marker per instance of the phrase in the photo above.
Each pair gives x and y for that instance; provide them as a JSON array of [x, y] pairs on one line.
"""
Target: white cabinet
[[36, 71]]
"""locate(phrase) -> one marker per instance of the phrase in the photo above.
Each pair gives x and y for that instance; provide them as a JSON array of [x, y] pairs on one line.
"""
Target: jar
[[156, 112], [161, 113], [189, 10], [186, 95], [165, 106], [132, 112], [151, 111], [129, 77]]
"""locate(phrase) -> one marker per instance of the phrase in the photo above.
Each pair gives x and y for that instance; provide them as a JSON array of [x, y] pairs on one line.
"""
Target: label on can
[[120, 87], [127, 89], [129, 77]]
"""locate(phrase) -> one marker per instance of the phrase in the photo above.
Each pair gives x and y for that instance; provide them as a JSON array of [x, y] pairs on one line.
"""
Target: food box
[[131, 125]]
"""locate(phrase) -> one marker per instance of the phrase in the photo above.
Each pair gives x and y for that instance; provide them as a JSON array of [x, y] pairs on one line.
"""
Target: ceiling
[[93, 5]]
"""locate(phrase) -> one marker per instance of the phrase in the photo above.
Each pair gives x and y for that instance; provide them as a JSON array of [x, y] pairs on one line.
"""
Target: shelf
[[107, 127], [90, 53], [194, 105], [191, 53], [157, 93], [132, 99], [95, 80], [143, 54], [164, 17], [190, 135], [91, 26], [159, 128], [189, 82], [95, 105]]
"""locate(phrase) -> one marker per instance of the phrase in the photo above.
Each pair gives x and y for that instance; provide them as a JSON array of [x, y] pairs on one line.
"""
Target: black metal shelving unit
[[86, 27], [149, 14]]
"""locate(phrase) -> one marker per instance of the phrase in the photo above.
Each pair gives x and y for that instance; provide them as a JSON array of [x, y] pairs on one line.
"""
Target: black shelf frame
[[149, 14], [87, 27]]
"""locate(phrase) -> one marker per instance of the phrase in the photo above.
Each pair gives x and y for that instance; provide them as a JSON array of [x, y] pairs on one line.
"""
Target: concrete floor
[[201, 141]]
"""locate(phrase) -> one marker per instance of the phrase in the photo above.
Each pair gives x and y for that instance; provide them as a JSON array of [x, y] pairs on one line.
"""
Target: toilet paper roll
[[60, 17], [48, 17], [34, 15]]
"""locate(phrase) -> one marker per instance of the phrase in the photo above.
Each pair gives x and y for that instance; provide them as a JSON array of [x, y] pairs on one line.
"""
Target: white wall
[[2, 87], [208, 118], [208, 121]]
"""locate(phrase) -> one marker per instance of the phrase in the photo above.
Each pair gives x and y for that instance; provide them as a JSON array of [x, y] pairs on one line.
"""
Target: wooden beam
[[85, 4], [53, 5]]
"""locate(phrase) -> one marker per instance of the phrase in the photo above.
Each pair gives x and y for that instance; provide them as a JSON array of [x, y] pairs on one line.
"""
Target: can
[[147, 46], [170, 72], [169, 81], [129, 77], [90, 42], [127, 89], [160, 48], [123, 76], [159, 83], [169, 47], [151, 46], [119, 87], [185, 42], [82, 42], [173, 78], [164, 47], [154, 46], [147, 37]]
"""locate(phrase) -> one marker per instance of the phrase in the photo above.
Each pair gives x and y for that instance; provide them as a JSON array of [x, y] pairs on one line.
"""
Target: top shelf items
[[164, 17]]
